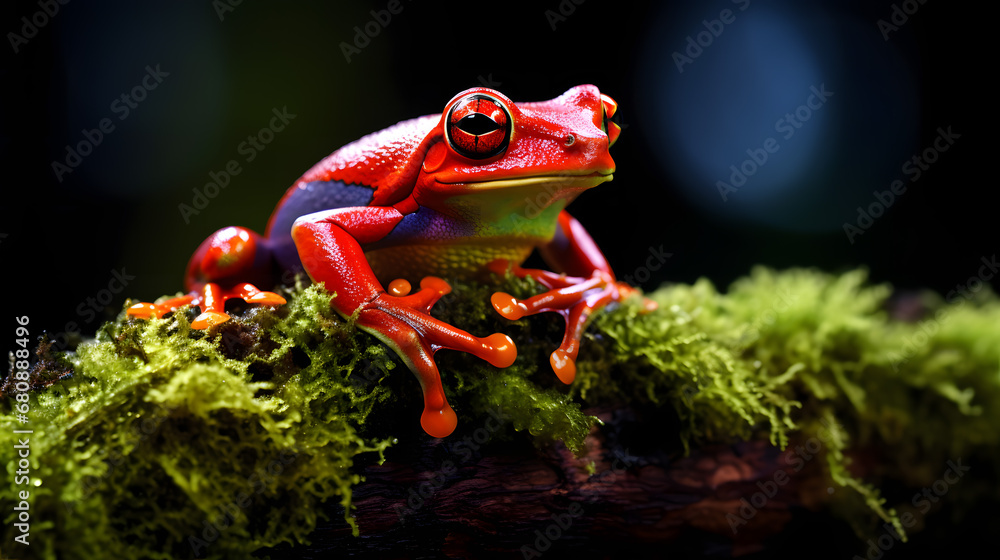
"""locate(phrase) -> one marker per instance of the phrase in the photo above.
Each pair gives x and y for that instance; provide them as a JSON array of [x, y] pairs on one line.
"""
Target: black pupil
[[477, 124]]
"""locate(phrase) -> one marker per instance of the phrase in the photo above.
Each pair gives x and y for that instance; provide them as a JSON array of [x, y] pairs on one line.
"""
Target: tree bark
[[514, 501]]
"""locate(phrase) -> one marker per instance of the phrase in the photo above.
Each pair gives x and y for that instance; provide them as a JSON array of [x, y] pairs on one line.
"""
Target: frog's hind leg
[[231, 263]]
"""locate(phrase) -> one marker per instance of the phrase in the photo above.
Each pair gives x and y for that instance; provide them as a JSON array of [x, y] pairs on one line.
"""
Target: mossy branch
[[156, 440]]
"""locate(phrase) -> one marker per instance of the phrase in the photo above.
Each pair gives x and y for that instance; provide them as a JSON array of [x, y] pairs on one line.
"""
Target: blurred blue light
[[769, 114]]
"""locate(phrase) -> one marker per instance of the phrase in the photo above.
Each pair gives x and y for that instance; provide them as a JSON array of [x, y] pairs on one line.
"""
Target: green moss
[[161, 432], [161, 428]]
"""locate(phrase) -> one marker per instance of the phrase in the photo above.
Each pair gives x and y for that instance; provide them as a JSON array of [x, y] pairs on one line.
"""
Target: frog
[[474, 189]]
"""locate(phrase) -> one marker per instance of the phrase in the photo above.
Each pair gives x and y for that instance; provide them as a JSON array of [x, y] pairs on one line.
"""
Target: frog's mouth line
[[584, 181]]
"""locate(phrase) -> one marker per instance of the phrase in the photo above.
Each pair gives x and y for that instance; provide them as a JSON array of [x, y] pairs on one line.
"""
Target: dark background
[[60, 241], [119, 207]]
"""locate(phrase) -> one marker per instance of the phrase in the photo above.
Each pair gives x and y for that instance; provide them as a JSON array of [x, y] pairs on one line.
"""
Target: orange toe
[[563, 365], [399, 287], [142, 310], [501, 350], [266, 298], [439, 423], [508, 306], [209, 319]]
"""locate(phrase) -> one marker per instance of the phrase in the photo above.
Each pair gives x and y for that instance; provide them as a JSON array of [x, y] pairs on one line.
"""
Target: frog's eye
[[609, 108], [478, 126]]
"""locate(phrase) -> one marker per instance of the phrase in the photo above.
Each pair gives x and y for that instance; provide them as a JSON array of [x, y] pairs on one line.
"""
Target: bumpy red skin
[[434, 211]]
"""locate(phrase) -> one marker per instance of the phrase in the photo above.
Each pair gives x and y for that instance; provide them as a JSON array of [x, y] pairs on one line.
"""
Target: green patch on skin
[[171, 442]]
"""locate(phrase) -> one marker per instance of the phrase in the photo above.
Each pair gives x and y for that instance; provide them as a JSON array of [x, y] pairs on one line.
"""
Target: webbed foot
[[575, 298], [211, 299]]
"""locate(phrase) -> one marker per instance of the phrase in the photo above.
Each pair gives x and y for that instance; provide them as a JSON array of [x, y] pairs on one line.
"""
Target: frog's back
[[362, 173]]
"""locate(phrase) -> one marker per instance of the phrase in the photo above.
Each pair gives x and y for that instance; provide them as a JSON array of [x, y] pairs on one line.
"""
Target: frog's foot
[[403, 322], [211, 299], [575, 298]]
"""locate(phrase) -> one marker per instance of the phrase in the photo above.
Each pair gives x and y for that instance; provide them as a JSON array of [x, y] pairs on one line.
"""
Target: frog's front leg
[[329, 245], [586, 284]]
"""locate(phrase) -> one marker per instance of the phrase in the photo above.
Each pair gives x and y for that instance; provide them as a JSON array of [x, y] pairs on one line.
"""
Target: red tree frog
[[447, 195]]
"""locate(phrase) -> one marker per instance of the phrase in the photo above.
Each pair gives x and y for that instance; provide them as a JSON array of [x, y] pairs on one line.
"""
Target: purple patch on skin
[[310, 197], [426, 225]]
